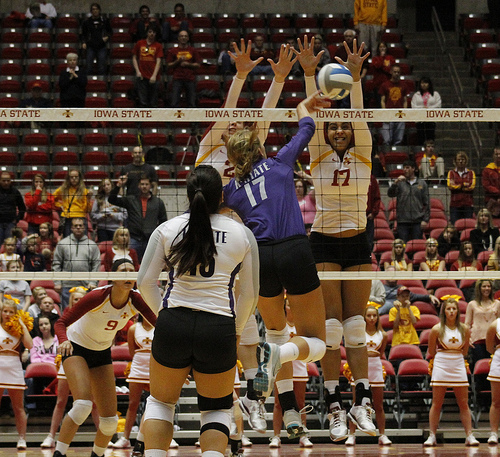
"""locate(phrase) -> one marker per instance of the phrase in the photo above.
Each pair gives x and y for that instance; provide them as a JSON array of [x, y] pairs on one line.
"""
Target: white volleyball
[[335, 81]]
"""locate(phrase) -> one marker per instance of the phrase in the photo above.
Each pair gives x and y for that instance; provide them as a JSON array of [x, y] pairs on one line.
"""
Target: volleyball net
[[171, 138]]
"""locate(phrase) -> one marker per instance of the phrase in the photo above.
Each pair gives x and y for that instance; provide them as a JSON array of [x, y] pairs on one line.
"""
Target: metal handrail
[[455, 79]]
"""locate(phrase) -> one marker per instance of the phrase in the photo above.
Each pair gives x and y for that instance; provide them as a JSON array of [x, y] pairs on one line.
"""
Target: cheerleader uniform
[[139, 369], [12, 376], [494, 374], [375, 367], [449, 367]]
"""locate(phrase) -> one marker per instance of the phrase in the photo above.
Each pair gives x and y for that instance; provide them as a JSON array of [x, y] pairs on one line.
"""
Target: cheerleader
[[14, 333], [493, 344], [448, 345], [86, 333], [376, 342]]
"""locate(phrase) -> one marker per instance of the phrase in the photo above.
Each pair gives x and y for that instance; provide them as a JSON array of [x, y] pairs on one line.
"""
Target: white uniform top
[[143, 338], [452, 340], [341, 186], [8, 343], [212, 149], [374, 342], [212, 289]]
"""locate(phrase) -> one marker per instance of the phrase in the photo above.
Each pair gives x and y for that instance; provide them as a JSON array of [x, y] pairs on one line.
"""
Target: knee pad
[[156, 409], [108, 425], [279, 337], [80, 410], [354, 332], [216, 420], [250, 335], [333, 334], [317, 349]]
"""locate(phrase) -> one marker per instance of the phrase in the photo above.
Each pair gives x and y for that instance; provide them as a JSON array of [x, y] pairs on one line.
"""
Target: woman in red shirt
[[461, 182], [39, 204]]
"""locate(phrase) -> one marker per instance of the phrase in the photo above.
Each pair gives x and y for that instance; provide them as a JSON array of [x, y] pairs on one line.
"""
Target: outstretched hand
[[241, 56], [354, 59], [284, 64], [306, 57]]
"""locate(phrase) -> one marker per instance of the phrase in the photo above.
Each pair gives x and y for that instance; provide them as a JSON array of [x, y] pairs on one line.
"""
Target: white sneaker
[[431, 441], [245, 442], [493, 439], [21, 444], [268, 356], [122, 443], [255, 411], [197, 444], [293, 424], [351, 440], [48, 442], [471, 440], [304, 441], [338, 424], [362, 417], [275, 442], [173, 444], [384, 441]]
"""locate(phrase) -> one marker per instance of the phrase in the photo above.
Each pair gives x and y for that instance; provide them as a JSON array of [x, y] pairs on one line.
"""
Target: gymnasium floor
[[288, 450]]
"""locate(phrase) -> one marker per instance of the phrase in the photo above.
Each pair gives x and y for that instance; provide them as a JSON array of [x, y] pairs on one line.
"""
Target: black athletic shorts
[[186, 337], [287, 264], [93, 358], [346, 252]]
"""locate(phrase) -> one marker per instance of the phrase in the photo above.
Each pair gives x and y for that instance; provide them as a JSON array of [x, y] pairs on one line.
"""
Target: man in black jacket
[[145, 212], [12, 206]]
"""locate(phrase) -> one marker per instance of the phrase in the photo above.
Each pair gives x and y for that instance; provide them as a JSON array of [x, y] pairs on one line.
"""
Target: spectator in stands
[[39, 204], [432, 260], [225, 61], [448, 240], [376, 342], [46, 309], [41, 15], [45, 344], [483, 237], [494, 258], [448, 345], [370, 19], [183, 60], [305, 196], [260, 49], [18, 289], [106, 217], [404, 316], [398, 257], [75, 253], [372, 208], [96, 32], [461, 181], [46, 243], [38, 293], [73, 84], [481, 312], [318, 47], [393, 95], [138, 27], [377, 294], [73, 199], [391, 287], [136, 169], [432, 164], [145, 212], [491, 184], [413, 205], [380, 67], [466, 261], [37, 100], [9, 253], [427, 98], [32, 260], [12, 206], [11, 370], [173, 25], [146, 58], [120, 249]]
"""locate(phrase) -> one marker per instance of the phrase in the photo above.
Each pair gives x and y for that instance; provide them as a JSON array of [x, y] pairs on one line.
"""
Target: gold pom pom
[[431, 366], [347, 372], [126, 372], [58, 361]]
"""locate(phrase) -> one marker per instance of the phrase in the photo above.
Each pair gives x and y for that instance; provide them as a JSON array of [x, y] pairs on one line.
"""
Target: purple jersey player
[[263, 195]]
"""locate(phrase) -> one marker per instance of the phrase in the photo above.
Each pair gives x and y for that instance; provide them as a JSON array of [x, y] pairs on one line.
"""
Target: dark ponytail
[[197, 246]]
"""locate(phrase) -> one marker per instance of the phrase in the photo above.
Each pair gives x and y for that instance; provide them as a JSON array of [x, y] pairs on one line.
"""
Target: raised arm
[[308, 61]]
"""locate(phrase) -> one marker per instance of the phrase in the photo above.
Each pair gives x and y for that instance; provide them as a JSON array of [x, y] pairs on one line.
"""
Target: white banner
[[246, 114]]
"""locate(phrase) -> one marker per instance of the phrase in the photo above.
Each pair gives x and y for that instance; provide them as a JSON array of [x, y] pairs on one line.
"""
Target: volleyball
[[335, 81]]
